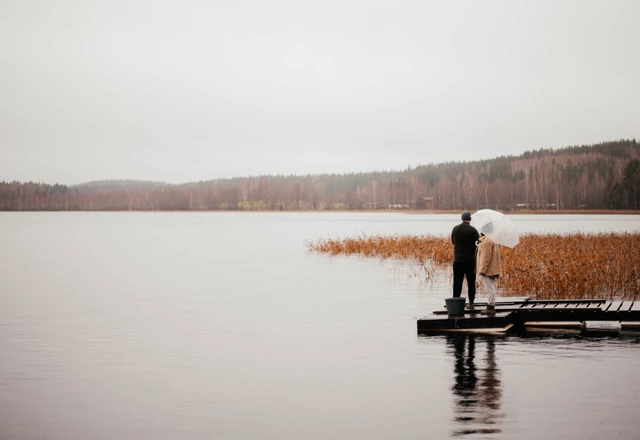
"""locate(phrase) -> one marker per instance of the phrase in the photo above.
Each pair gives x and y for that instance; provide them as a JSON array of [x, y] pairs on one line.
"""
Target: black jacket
[[464, 237]]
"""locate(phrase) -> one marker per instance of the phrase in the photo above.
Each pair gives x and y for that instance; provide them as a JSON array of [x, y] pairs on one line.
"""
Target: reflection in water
[[477, 387]]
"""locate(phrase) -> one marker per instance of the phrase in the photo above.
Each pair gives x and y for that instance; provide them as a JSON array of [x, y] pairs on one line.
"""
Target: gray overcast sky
[[188, 90]]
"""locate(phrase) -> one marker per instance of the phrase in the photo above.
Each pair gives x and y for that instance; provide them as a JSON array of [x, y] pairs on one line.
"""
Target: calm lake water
[[224, 326]]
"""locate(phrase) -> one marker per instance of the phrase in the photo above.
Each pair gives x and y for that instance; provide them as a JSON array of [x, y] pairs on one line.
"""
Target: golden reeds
[[544, 266]]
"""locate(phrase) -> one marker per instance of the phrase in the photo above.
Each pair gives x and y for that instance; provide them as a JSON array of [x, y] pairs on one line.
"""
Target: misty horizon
[[408, 168], [196, 91]]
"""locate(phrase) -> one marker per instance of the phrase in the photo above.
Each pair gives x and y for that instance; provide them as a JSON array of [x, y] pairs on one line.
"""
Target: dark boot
[[469, 306], [490, 310]]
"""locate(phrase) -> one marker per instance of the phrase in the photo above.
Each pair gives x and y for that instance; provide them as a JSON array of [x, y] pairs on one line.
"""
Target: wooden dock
[[522, 313]]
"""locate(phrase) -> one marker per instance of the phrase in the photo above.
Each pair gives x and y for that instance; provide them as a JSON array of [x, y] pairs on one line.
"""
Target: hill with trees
[[600, 176]]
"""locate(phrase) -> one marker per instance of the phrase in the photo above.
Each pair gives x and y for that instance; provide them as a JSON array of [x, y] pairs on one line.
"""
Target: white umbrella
[[497, 226]]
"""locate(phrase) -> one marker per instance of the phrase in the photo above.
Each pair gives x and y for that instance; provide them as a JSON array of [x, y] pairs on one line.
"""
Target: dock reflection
[[477, 388]]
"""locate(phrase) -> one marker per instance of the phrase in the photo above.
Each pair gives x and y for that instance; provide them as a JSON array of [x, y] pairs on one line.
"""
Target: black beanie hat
[[466, 216]]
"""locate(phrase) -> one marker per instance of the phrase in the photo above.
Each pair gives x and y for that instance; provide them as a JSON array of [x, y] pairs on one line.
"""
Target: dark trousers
[[461, 270]]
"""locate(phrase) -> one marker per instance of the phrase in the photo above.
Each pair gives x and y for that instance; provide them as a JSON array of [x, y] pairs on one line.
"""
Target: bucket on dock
[[455, 306]]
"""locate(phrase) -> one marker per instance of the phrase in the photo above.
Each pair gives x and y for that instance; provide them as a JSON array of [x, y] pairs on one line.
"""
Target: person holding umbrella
[[497, 229], [489, 268], [464, 237]]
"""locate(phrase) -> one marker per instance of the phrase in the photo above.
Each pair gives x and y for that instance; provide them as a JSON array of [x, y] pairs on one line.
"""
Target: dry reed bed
[[544, 266]]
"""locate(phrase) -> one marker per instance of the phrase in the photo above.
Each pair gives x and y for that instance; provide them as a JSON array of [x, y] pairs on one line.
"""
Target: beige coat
[[488, 259]]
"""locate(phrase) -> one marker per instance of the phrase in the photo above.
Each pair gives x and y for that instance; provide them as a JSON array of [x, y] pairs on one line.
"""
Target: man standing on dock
[[464, 237]]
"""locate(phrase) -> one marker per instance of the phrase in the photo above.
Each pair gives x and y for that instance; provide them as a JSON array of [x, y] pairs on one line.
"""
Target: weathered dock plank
[[499, 322], [505, 300], [552, 324], [630, 325], [537, 313], [626, 306], [615, 306], [569, 301]]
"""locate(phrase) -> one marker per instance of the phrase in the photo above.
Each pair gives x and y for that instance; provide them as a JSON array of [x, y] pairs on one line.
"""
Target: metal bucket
[[455, 306]]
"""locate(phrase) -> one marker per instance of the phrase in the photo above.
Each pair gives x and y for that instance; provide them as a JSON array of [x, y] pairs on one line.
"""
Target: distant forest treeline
[[601, 176]]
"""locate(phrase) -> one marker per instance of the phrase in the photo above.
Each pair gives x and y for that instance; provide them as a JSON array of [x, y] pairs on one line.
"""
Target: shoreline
[[370, 211]]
